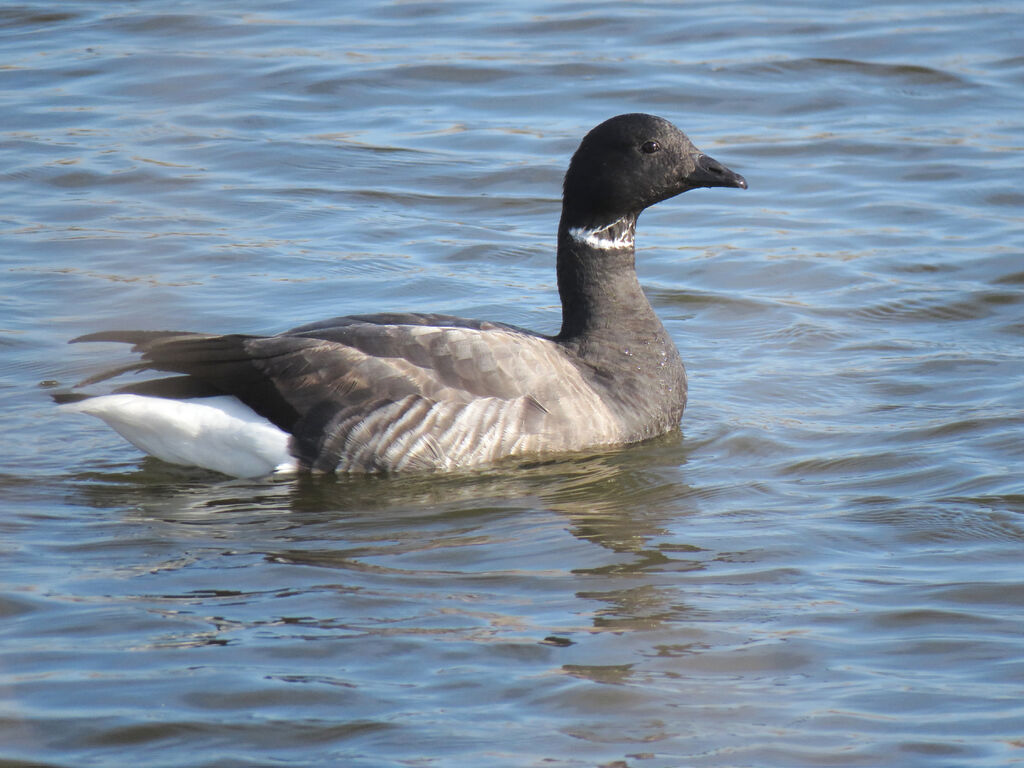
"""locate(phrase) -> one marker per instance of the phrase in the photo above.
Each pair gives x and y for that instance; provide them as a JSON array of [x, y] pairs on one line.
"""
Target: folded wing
[[388, 392]]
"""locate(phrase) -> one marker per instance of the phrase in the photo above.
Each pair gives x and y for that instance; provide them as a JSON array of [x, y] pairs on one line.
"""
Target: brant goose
[[400, 391]]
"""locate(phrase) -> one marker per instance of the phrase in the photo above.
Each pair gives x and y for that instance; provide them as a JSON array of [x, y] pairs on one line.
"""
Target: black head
[[630, 162]]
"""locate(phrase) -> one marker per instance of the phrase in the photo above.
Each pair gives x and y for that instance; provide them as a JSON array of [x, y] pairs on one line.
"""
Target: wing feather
[[379, 392]]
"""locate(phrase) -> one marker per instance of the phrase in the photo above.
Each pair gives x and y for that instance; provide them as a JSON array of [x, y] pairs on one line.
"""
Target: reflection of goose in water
[[413, 391]]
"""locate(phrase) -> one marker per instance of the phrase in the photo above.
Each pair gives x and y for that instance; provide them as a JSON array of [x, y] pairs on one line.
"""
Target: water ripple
[[821, 568]]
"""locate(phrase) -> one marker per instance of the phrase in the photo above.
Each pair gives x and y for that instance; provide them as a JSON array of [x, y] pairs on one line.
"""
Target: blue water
[[823, 568]]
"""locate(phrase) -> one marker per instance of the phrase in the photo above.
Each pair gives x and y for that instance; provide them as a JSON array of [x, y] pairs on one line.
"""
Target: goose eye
[[650, 147]]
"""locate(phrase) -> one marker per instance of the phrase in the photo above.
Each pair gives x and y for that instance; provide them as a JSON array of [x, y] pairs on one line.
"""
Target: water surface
[[822, 568]]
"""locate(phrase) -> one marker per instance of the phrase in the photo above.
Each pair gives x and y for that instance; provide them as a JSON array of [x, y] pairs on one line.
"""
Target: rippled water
[[823, 568]]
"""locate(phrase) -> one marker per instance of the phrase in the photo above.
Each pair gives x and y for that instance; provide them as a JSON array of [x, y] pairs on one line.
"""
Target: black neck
[[609, 325], [597, 282]]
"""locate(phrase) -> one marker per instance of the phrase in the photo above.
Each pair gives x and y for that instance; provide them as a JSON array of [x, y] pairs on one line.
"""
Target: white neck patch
[[618, 234]]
